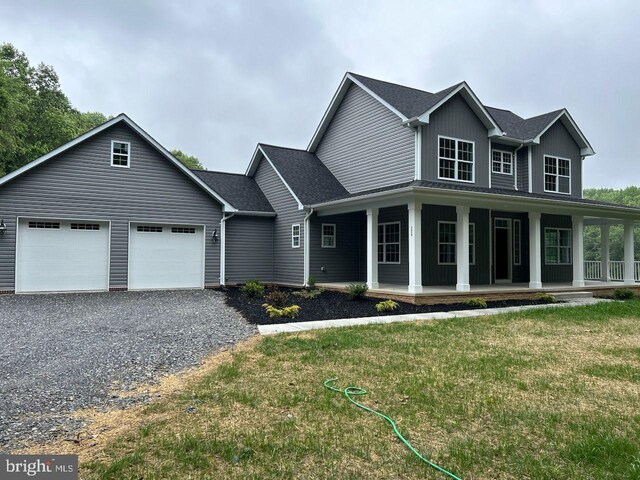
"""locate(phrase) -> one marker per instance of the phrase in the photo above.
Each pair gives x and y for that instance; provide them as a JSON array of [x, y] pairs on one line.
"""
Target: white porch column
[[535, 250], [462, 248], [578, 250], [604, 253], [629, 274], [372, 248], [415, 247]]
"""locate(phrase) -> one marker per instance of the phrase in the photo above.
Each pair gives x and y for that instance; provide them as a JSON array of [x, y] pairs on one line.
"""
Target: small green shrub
[[623, 294], [475, 302], [277, 298], [253, 288], [284, 312], [546, 297], [386, 306], [309, 294], [357, 291], [311, 282]]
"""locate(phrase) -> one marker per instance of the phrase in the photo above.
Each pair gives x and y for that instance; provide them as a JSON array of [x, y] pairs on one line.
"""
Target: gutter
[[223, 242]]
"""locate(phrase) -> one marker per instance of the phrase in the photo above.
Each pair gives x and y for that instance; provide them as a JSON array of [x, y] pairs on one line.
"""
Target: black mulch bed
[[331, 305]]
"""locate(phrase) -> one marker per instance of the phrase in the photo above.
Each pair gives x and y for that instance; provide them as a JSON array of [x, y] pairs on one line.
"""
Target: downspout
[[515, 166], [307, 247], [223, 254]]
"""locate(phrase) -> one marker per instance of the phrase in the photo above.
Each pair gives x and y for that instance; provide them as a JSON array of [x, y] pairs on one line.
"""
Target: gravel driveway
[[62, 352]]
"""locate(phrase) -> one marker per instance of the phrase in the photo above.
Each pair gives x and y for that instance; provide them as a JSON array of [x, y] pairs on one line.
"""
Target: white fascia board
[[254, 213], [253, 164], [585, 147], [120, 118], [295, 197]]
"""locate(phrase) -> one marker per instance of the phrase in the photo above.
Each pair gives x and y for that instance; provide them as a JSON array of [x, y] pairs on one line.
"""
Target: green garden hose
[[349, 391]]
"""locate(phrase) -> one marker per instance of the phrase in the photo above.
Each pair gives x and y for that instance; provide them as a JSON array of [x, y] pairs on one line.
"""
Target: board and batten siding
[[502, 180], [455, 119], [80, 183], [366, 146], [557, 142], [396, 273], [249, 249], [523, 169], [555, 273], [288, 262]]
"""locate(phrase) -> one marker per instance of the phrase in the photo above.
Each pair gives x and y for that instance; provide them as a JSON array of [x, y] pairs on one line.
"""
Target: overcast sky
[[213, 78]]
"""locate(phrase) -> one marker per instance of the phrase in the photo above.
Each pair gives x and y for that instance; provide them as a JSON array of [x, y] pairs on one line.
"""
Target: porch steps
[[566, 296]]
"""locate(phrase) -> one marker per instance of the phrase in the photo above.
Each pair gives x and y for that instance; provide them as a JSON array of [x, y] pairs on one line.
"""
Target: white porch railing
[[593, 270]]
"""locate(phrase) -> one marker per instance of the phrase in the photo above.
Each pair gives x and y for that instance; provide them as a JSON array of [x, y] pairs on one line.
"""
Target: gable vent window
[[183, 230], [51, 225], [85, 226], [502, 162], [149, 229], [455, 159], [120, 153], [557, 175]]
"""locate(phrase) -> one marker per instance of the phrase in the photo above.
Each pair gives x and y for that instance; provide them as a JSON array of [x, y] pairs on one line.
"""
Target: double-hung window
[[295, 236], [328, 235], [455, 159], [120, 153], [389, 242], [447, 243], [502, 162], [557, 246], [557, 175]]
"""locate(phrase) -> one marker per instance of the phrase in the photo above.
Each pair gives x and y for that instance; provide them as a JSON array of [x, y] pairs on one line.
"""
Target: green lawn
[[549, 394]]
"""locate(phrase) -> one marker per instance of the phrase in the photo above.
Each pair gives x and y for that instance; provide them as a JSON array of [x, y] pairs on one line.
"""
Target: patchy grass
[[546, 394]]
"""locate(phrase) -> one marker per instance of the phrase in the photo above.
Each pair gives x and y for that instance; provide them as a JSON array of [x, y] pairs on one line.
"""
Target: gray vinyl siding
[[344, 262], [288, 262], [81, 184], [394, 273], [249, 249], [434, 274], [555, 273], [519, 273], [523, 169], [366, 146], [501, 180], [557, 141], [455, 119]]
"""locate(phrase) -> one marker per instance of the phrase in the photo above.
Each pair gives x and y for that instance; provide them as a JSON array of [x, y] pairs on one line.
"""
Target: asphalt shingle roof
[[308, 177], [240, 191]]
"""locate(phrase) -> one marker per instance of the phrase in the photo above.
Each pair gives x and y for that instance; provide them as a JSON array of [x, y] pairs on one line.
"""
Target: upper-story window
[[502, 162], [557, 175], [455, 159], [120, 153]]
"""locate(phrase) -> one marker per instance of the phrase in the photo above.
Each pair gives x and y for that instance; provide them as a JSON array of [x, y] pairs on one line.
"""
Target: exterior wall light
[[214, 236], [3, 227]]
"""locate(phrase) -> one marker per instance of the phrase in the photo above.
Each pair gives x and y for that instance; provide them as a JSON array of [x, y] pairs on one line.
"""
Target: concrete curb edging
[[350, 322]]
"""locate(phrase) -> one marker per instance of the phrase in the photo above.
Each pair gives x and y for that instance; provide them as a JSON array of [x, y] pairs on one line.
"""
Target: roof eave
[[586, 149]]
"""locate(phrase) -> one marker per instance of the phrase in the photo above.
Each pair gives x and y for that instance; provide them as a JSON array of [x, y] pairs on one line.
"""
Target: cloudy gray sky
[[213, 78]]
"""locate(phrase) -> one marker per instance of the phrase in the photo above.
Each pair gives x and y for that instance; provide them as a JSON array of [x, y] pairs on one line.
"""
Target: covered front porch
[[436, 242]]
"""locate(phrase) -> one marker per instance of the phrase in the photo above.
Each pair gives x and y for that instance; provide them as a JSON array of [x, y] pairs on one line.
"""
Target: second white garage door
[[166, 256]]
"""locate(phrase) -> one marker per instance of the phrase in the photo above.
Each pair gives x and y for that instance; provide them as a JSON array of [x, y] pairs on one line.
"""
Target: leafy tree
[[188, 161]]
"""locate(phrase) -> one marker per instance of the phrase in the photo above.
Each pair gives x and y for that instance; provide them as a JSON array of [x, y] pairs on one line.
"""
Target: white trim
[[414, 240], [585, 150], [372, 248], [418, 154], [544, 247], [128, 144], [535, 250], [509, 229], [490, 172], [502, 162], [64, 219], [557, 174], [298, 236], [472, 226], [255, 213], [121, 118], [629, 264], [384, 242], [306, 254], [442, 222], [322, 235], [455, 160], [222, 278]]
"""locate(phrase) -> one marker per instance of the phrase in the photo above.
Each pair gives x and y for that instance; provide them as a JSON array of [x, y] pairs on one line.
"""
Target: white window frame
[[128, 144], [295, 237], [332, 236], [473, 159], [559, 247], [472, 245], [517, 242], [502, 162], [556, 175], [384, 243]]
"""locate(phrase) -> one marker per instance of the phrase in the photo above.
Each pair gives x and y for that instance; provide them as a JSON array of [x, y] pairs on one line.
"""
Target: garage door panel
[[61, 258], [166, 256]]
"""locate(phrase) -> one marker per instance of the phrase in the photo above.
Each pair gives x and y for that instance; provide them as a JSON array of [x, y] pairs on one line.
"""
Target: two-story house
[[409, 191]]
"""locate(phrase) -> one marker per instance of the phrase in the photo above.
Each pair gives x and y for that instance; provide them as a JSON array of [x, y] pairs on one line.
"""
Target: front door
[[502, 249]]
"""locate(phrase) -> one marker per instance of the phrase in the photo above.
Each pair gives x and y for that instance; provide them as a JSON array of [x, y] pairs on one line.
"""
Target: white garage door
[[166, 256], [62, 255]]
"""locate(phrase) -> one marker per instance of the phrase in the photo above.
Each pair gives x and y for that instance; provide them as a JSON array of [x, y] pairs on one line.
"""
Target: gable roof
[[136, 128], [306, 177], [243, 192]]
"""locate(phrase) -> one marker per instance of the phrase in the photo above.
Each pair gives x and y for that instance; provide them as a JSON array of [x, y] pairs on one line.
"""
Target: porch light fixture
[[3, 227], [214, 236]]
